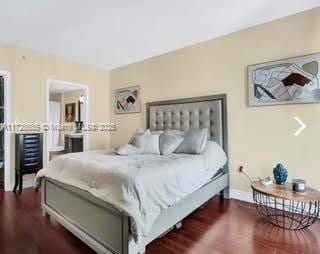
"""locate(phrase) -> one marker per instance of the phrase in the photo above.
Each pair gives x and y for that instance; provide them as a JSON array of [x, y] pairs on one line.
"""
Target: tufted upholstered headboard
[[199, 112]]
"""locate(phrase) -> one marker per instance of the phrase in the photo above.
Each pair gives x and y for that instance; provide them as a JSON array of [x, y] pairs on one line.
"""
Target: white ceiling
[[112, 33]]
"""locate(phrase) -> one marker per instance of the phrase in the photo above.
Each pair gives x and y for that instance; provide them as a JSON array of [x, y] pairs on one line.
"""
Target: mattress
[[141, 185]]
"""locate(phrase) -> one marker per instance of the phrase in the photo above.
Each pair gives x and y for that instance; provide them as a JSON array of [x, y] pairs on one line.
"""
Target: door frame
[[7, 120], [85, 113]]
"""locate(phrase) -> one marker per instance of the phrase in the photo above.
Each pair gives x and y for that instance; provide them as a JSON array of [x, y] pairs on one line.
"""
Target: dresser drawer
[[31, 141], [32, 154], [31, 167], [35, 159], [32, 150], [31, 145], [28, 136], [28, 152]]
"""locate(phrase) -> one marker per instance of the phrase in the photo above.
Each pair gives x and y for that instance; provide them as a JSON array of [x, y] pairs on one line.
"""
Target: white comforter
[[141, 186]]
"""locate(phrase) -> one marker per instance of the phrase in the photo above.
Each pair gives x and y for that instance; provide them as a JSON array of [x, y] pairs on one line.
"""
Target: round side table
[[283, 207]]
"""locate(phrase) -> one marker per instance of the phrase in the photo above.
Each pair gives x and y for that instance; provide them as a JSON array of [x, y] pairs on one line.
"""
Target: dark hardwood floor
[[222, 227]]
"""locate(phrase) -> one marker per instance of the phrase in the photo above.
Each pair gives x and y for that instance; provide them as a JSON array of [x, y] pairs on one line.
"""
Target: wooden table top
[[285, 192]]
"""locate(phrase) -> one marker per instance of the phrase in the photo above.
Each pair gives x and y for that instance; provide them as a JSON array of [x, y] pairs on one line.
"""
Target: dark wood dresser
[[29, 156]]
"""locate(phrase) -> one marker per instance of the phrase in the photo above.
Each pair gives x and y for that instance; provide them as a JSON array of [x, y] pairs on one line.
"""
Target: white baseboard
[[27, 183], [241, 195]]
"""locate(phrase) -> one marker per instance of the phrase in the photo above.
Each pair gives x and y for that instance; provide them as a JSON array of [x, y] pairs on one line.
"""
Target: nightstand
[[283, 207]]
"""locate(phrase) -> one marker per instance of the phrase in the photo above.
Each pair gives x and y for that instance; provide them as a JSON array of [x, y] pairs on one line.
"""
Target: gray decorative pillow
[[175, 132], [139, 132], [156, 132], [147, 144], [178, 133], [168, 142], [126, 149], [194, 141]]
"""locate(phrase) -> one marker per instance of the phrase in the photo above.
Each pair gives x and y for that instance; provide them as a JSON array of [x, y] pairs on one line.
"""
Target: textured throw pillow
[[139, 132], [194, 141], [127, 149], [147, 144], [168, 142]]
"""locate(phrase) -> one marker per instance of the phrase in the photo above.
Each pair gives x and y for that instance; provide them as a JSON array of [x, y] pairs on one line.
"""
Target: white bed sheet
[[141, 186]]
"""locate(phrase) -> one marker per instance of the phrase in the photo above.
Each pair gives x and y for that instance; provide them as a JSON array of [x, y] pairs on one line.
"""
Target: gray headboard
[[184, 114]]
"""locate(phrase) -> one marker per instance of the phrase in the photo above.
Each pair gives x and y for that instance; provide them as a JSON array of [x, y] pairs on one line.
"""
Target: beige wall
[[55, 97], [29, 72], [259, 137]]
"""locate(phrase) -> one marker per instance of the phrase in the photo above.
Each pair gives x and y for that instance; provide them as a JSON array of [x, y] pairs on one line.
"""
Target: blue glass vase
[[280, 174]]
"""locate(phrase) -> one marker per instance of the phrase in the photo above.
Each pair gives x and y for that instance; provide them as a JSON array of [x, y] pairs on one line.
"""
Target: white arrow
[[302, 126]]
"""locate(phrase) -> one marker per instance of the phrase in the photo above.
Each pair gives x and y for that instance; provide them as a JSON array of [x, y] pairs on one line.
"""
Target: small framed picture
[[70, 112], [127, 100]]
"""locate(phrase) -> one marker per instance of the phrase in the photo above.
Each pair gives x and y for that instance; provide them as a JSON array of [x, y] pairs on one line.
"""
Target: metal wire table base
[[287, 214]]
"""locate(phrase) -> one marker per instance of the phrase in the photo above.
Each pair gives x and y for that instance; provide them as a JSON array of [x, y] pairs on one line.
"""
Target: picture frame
[[127, 100], [70, 112], [288, 81]]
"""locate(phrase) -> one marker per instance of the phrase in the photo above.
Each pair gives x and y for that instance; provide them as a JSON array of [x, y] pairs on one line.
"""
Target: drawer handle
[[31, 145], [31, 164], [31, 154], [31, 136], [31, 141], [32, 158]]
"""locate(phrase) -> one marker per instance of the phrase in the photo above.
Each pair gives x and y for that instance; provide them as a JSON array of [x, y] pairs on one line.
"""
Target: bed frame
[[107, 230]]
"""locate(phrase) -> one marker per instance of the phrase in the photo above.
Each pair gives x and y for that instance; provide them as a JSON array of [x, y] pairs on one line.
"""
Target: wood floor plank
[[221, 227]]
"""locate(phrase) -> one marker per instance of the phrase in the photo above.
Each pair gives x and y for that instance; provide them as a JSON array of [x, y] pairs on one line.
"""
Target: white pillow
[[168, 142], [139, 132], [147, 144], [126, 149], [194, 142], [214, 155]]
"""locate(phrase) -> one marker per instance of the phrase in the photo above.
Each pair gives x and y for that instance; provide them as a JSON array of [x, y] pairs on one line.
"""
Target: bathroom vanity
[[73, 142]]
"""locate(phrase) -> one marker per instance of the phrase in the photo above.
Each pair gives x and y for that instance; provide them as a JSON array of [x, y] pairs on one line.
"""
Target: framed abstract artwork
[[127, 100], [288, 81]]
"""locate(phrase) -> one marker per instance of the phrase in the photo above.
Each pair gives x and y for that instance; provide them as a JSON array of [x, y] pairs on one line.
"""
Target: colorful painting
[[70, 112], [293, 80], [128, 100]]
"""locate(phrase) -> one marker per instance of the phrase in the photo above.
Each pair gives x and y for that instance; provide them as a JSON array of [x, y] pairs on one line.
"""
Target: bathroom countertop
[[74, 135]]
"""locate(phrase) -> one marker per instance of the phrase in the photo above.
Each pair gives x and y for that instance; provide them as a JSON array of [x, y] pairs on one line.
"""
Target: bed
[[107, 229]]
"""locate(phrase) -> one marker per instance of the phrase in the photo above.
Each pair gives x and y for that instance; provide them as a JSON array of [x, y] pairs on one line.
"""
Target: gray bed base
[[107, 230]]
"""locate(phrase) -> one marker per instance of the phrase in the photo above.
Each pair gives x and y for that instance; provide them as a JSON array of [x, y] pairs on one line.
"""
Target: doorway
[[67, 112], [5, 118]]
